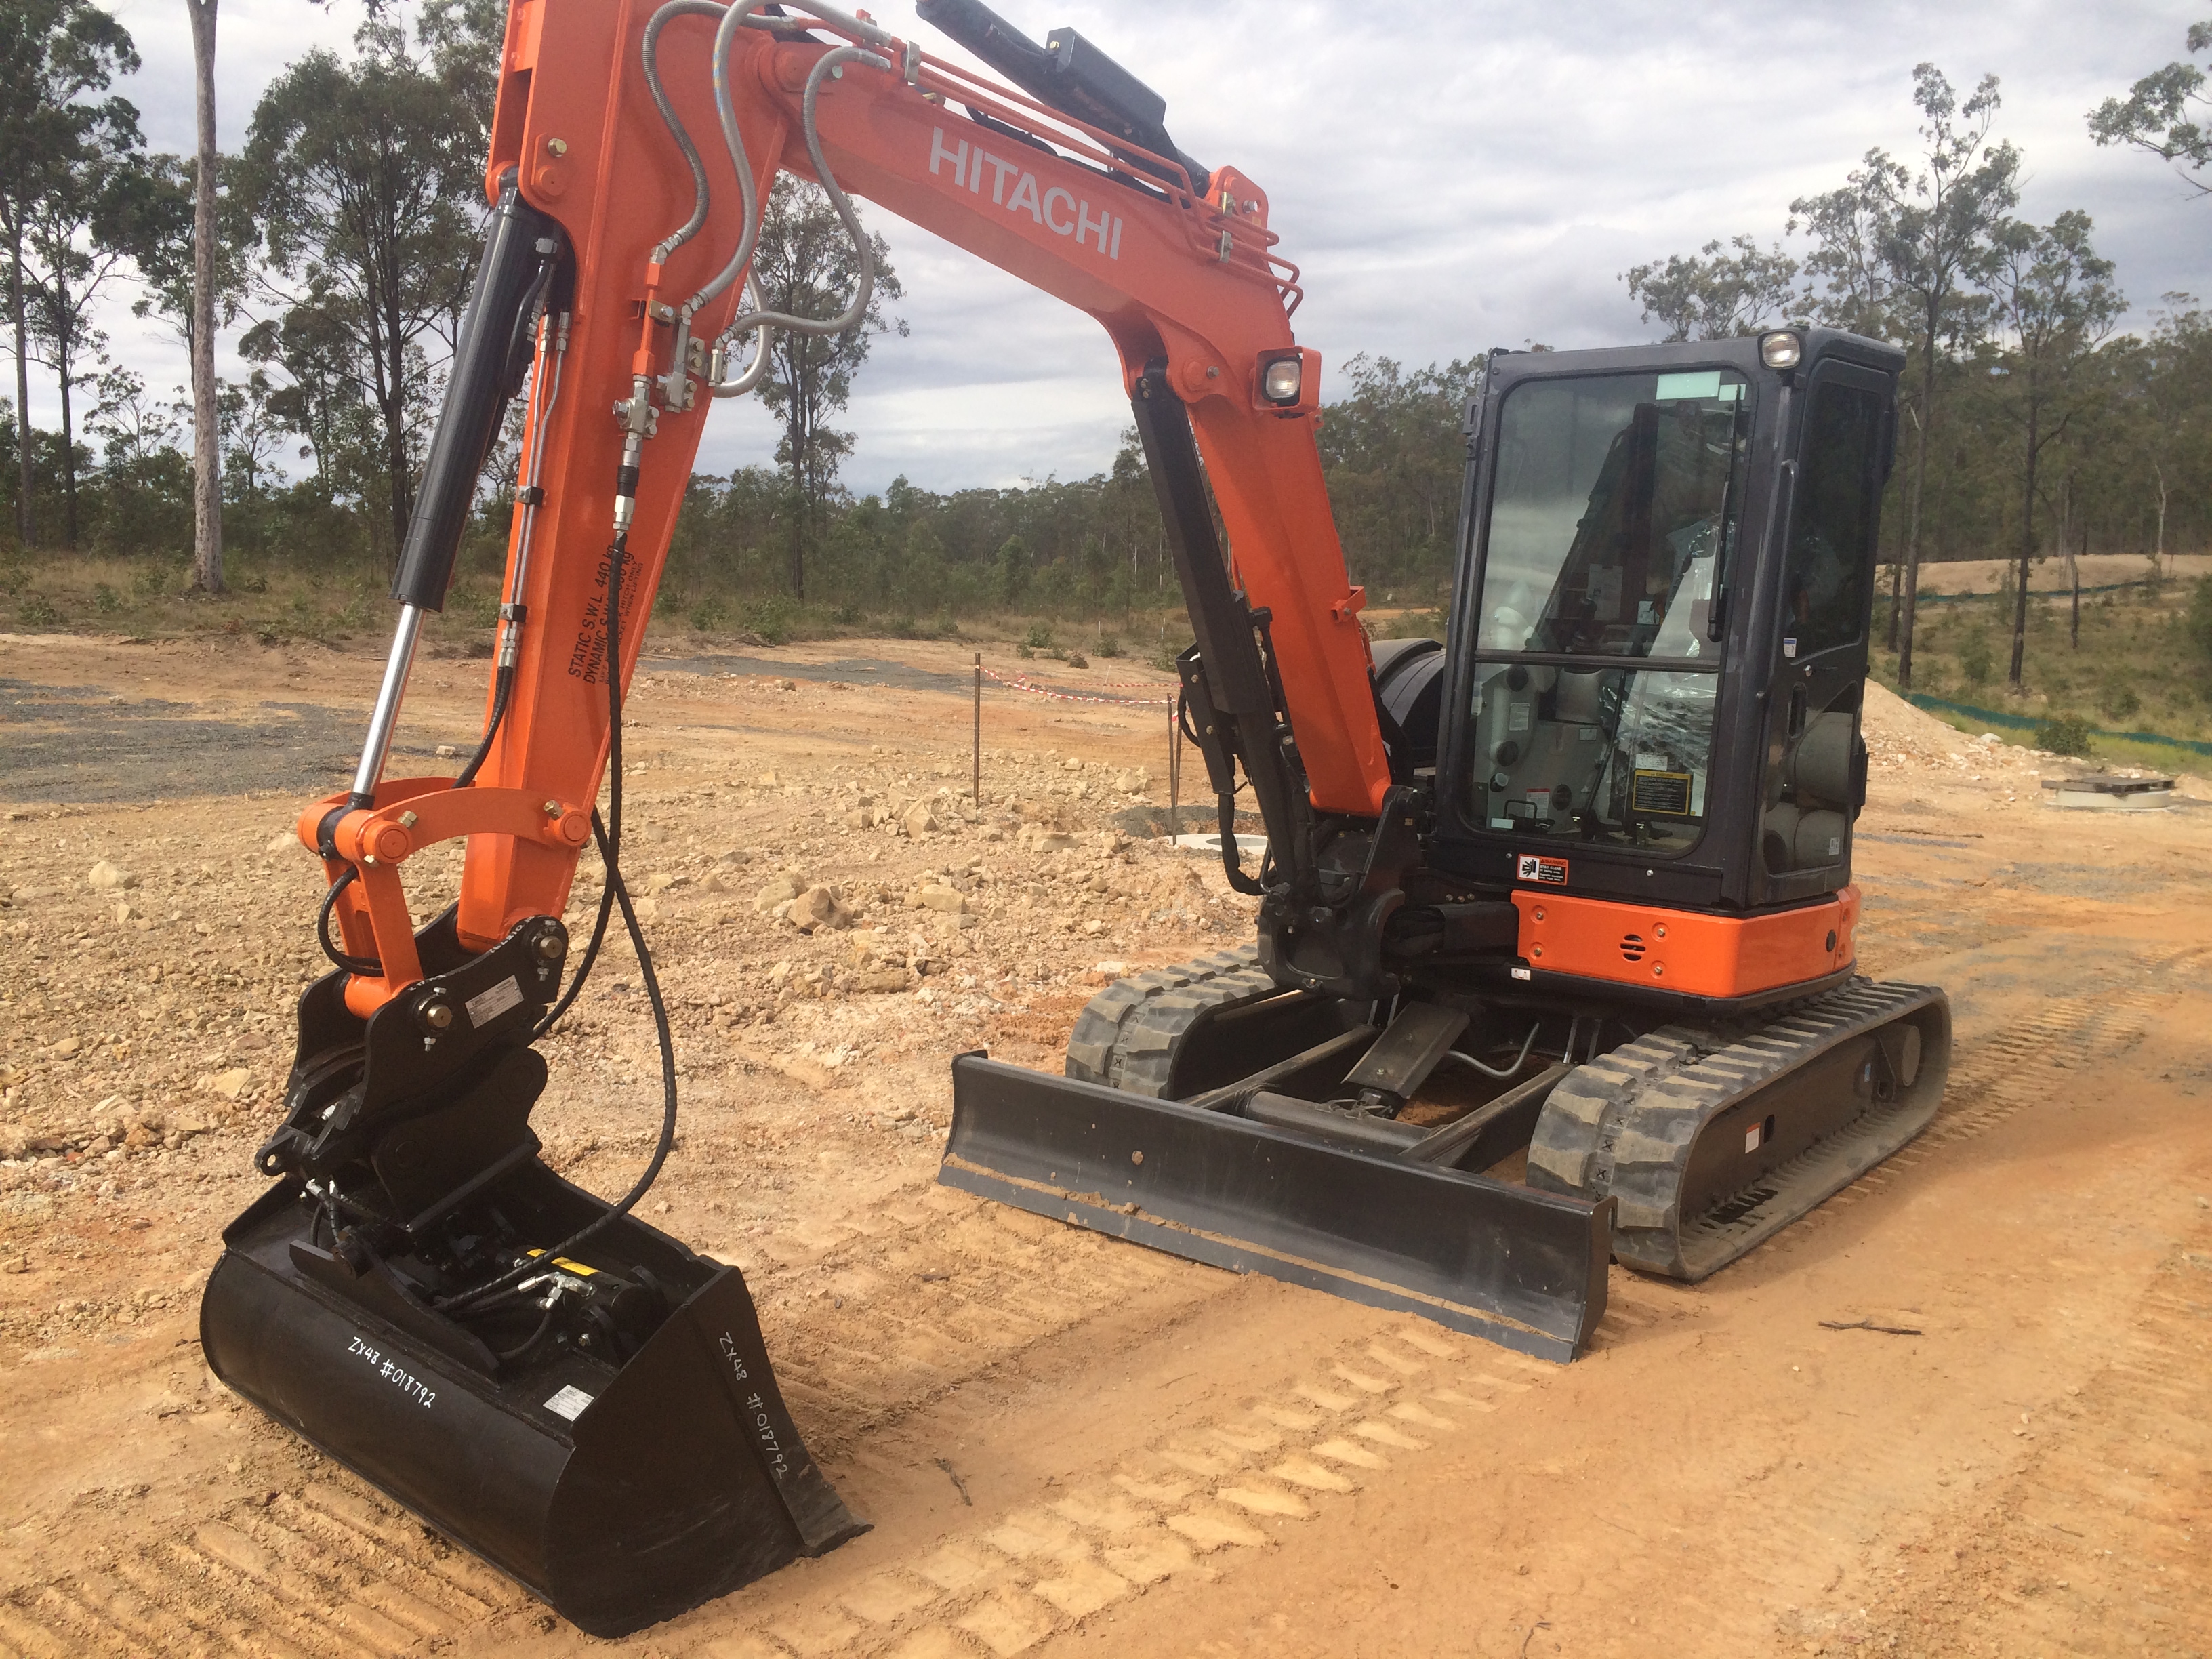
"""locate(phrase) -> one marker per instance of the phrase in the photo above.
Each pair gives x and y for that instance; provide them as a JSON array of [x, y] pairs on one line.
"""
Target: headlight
[[1282, 380], [1781, 350]]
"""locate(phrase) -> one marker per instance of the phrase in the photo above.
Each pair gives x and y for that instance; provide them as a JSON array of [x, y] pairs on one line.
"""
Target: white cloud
[[1449, 176]]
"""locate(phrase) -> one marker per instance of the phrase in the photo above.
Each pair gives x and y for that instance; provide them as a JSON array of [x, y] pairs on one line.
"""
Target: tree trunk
[[26, 527], [395, 466], [2158, 551], [1912, 507], [207, 446], [2026, 551], [2074, 576], [1896, 584], [795, 437], [2078, 580], [69, 453], [395, 426], [2073, 565]]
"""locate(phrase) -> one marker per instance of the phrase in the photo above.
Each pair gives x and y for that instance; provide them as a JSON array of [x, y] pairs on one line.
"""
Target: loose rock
[[785, 888], [818, 907]]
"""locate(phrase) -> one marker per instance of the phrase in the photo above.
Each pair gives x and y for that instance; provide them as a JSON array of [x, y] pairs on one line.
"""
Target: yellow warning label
[[1666, 794]]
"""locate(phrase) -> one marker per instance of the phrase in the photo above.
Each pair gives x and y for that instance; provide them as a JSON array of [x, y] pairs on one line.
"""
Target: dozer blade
[[621, 1491], [1523, 1268]]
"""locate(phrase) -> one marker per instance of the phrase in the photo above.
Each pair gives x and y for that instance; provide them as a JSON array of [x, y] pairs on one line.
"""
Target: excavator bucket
[[1523, 1268], [623, 1487]]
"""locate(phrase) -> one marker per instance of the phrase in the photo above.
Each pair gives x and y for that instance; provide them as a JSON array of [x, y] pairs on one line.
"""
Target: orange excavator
[[1554, 961]]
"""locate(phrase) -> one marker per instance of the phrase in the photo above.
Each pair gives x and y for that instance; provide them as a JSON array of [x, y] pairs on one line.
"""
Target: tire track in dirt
[[935, 1291], [938, 1291], [324, 1572], [950, 1289], [2001, 1072], [1182, 1506], [2097, 1543]]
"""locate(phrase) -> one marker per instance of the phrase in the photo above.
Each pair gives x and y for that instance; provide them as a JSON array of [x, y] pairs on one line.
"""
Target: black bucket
[[621, 1491]]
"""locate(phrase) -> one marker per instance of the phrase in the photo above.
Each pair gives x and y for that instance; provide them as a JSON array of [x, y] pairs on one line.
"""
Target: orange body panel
[[1683, 951], [1173, 276]]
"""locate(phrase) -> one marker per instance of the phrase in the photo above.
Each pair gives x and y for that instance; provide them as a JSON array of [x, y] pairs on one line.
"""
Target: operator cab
[[1666, 573]]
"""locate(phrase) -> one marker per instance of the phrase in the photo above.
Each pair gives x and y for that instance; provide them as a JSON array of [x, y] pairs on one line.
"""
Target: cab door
[[1815, 768]]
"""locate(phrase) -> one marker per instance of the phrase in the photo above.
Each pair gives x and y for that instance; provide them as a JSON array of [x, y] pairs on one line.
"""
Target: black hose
[[609, 838], [502, 685], [591, 951], [503, 1355], [367, 967]]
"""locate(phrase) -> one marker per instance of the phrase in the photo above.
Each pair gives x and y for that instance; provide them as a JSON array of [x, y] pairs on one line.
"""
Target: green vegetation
[[2028, 432], [2064, 734], [2143, 663]]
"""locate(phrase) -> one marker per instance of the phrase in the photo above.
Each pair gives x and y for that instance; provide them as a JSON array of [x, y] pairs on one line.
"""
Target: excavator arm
[[574, 1395], [1181, 275]]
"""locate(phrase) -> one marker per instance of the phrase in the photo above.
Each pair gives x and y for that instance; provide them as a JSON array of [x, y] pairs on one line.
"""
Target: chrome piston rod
[[385, 717]]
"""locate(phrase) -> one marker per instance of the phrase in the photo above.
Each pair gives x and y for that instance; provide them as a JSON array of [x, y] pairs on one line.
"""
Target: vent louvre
[[1631, 947]]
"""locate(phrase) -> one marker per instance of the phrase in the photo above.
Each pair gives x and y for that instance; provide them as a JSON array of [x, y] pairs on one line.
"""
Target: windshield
[[1606, 520]]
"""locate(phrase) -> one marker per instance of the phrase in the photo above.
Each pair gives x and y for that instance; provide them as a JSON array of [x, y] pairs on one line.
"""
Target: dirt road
[[1962, 1409]]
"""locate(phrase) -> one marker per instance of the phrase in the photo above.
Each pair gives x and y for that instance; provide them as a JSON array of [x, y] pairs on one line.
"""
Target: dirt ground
[[1962, 1409], [2049, 575]]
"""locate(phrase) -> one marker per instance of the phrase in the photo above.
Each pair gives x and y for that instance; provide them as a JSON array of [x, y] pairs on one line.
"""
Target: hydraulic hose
[[367, 967], [608, 836], [863, 249], [660, 20], [1491, 1070], [756, 370]]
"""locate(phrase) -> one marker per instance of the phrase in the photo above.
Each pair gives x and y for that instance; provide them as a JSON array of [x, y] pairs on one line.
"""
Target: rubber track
[[1626, 1123], [1127, 1035]]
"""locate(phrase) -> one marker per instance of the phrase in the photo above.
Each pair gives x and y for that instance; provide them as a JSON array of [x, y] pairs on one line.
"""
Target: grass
[[277, 602], [2138, 667]]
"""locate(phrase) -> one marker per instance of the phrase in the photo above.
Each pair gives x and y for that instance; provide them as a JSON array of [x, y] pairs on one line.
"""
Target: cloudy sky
[[1450, 177]]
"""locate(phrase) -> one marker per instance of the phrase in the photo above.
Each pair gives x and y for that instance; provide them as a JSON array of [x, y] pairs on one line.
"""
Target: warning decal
[[1665, 794], [1535, 866]]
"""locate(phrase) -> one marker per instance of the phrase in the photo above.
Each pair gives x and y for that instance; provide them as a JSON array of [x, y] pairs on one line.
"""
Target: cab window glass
[[1826, 584], [1613, 756], [1607, 515]]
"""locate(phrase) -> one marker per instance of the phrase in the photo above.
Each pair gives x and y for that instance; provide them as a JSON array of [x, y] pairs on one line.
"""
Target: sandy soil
[[2049, 575], [1067, 1444]]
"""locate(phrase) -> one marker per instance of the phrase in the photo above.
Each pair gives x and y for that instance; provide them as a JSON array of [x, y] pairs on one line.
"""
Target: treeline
[[342, 242], [1090, 550], [2031, 426], [344, 236]]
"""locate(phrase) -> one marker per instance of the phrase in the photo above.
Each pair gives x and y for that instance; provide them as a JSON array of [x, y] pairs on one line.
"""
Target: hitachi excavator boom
[[578, 1399]]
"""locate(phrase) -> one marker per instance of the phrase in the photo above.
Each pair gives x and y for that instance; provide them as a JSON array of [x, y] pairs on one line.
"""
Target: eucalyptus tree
[[366, 175], [55, 56], [153, 220], [1395, 449], [2166, 113], [1712, 295], [1910, 249], [2055, 305], [72, 241], [807, 266], [207, 479]]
